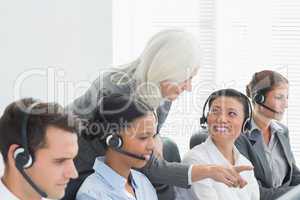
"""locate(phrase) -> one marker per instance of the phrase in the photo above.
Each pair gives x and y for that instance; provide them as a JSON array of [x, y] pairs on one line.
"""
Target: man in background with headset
[[38, 143]]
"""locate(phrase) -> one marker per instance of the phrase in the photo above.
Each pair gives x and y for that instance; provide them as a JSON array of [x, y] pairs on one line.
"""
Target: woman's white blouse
[[208, 153]]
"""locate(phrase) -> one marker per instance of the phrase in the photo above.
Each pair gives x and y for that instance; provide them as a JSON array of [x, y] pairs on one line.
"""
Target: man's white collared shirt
[[5, 193]]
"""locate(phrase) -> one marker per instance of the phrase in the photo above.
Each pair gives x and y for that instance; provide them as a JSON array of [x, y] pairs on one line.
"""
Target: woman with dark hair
[[267, 144], [229, 114], [128, 127]]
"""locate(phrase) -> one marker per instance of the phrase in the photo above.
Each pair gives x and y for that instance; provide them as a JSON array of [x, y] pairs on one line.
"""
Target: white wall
[[73, 37]]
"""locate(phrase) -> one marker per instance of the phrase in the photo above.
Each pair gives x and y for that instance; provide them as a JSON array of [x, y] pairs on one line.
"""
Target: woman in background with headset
[[267, 144], [229, 114], [128, 129]]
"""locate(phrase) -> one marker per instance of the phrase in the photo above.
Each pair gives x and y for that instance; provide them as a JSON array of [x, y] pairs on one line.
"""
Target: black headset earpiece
[[247, 122], [259, 98], [259, 95], [203, 118], [23, 160], [246, 125], [114, 141], [203, 121]]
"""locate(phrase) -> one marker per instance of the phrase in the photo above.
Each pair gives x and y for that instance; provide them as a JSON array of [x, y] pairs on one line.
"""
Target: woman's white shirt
[[208, 153]]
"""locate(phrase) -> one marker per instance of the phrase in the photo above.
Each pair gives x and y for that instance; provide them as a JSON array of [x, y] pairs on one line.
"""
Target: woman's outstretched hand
[[227, 175]]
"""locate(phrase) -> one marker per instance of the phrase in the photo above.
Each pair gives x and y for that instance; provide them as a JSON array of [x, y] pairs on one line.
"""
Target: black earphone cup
[[114, 141], [246, 125], [259, 98], [23, 160], [203, 121]]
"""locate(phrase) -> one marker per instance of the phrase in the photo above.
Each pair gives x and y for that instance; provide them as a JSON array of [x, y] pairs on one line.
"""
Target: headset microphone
[[115, 142], [268, 108], [259, 96], [260, 99], [130, 154], [29, 180]]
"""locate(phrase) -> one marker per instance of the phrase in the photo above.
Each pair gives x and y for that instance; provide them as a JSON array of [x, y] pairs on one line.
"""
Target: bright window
[[238, 38]]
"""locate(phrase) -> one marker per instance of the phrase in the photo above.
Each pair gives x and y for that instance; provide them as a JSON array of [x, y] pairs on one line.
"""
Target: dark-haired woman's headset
[[247, 121], [258, 96], [23, 158], [113, 139]]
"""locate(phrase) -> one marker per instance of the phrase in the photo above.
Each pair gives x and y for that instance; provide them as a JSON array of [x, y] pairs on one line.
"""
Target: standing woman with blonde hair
[[267, 144], [161, 73]]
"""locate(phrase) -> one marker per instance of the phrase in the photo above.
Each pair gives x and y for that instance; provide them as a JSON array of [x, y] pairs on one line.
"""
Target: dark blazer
[[254, 151], [158, 171]]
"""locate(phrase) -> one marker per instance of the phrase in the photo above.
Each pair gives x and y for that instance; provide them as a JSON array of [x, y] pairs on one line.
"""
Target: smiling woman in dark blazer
[[267, 144]]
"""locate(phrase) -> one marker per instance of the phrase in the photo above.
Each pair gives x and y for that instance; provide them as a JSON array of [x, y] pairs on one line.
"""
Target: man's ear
[[10, 154]]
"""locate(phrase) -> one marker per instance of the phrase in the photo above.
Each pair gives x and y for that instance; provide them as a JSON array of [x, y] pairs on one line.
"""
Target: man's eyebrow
[[63, 158]]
